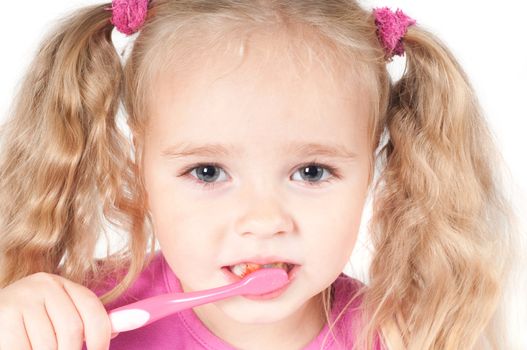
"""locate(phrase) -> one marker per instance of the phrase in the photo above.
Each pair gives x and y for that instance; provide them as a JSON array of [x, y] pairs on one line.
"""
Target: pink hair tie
[[391, 28], [128, 15]]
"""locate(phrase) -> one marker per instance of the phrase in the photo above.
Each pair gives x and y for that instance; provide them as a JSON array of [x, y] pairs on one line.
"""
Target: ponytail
[[439, 216], [64, 165]]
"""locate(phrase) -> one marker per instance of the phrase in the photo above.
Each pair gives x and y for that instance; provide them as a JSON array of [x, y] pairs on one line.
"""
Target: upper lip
[[262, 260]]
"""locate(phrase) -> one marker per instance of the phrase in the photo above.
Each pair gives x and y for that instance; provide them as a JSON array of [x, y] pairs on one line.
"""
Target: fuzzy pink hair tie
[[391, 28], [128, 15]]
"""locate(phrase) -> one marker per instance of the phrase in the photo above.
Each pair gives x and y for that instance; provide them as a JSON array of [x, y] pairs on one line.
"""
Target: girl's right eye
[[205, 171]]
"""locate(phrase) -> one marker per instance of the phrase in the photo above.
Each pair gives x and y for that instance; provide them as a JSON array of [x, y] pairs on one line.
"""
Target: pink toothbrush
[[143, 312]]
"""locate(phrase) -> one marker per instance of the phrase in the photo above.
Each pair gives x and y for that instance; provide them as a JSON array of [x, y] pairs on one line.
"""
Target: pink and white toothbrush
[[143, 312]]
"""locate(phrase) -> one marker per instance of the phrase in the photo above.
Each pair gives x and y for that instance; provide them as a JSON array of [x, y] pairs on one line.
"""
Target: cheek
[[173, 237], [184, 231], [187, 247], [335, 231], [171, 221]]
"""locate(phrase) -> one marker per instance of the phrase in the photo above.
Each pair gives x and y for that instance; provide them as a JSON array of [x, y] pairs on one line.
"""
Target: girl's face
[[230, 172]]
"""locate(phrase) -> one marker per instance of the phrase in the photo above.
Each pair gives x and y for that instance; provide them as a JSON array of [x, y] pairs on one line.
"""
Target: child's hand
[[46, 311]]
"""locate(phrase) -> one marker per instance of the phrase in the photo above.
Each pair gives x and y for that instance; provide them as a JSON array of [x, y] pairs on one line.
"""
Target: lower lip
[[274, 294]]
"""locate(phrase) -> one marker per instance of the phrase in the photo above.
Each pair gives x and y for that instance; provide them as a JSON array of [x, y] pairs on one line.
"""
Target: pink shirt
[[184, 330]]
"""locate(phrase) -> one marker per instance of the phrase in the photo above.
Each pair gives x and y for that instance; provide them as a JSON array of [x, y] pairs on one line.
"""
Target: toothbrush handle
[[144, 312]]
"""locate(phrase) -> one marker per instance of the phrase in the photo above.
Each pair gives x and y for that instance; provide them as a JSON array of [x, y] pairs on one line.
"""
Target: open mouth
[[235, 273], [243, 269]]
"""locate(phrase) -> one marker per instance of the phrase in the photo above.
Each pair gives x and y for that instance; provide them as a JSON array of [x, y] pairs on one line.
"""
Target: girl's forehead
[[263, 69], [269, 55], [256, 102], [277, 89], [255, 86]]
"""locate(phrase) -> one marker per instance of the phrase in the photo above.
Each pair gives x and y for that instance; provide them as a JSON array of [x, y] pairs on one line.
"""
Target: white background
[[488, 39]]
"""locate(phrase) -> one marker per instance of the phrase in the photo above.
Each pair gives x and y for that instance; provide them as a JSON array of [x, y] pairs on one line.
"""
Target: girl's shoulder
[[346, 309], [150, 282], [347, 292]]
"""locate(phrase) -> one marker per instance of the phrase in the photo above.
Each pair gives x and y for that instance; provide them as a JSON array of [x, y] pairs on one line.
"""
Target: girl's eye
[[207, 173]]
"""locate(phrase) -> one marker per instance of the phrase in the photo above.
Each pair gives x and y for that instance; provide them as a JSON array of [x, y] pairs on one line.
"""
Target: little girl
[[232, 107]]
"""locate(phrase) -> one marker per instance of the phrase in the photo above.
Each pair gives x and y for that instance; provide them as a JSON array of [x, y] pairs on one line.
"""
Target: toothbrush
[[146, 311]]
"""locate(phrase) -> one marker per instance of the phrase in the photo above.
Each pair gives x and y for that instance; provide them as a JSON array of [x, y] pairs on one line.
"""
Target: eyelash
[[334, 174]]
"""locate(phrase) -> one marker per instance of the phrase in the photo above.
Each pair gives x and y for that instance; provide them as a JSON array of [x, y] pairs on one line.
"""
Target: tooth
[[239, 269], [251, 268], [243, 269]]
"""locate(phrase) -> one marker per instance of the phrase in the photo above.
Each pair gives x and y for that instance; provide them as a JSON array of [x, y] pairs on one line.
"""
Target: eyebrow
[[217, 150]]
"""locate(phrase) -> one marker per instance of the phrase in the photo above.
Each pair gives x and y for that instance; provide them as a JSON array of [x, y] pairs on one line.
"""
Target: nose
[[263, 215]]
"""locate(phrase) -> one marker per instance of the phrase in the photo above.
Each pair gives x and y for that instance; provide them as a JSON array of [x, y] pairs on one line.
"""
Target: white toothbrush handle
[[128, 319]]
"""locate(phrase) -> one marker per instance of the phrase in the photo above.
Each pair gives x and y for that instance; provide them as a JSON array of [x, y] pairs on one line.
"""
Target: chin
[[243, 310], [255, 314]]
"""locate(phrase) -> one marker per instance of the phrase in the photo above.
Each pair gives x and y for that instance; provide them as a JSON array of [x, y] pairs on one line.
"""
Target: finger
[[97, 325], [39, 328], [13, 333], [65, 318]]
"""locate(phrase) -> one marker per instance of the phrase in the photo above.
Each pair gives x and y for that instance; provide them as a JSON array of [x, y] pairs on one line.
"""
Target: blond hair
[[441, 226]]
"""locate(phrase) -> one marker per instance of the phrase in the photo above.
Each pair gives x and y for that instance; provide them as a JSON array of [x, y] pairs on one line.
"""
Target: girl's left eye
[[206, 173]]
